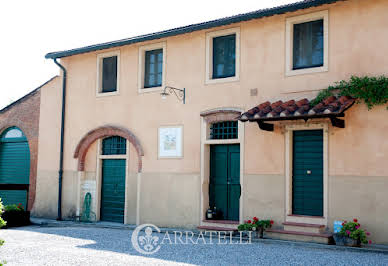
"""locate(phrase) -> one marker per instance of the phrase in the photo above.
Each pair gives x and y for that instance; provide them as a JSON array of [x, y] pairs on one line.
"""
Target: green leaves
[[372, 91], [354, 231], [2, 222]]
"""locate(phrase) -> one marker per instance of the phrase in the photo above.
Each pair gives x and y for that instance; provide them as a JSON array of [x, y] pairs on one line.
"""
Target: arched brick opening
[[31, 134], [103, 132], [221, 114]]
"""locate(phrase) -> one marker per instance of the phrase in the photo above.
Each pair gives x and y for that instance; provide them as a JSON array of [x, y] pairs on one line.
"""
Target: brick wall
[[24, 114]]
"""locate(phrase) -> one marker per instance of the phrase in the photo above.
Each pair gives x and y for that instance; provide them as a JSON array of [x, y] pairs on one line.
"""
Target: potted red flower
[[352, 234], [256, 226]]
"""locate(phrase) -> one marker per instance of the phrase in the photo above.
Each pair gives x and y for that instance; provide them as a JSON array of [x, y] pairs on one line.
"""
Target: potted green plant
[[351, 234], [255, 227]]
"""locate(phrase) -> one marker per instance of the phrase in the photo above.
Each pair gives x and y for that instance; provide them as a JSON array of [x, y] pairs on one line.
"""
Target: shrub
[[2, 222], [14, 207], [354, 231], [372, 91]]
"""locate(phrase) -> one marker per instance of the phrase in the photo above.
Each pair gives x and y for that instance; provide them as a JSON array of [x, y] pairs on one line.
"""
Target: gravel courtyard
[[33, 245]]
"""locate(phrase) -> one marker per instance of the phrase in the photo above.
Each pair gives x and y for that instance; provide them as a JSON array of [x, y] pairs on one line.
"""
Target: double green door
[[224, 186], [113, 190], [307, 179]]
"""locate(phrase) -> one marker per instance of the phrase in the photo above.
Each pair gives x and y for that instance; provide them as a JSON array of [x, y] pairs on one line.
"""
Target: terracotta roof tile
[[292, 109]]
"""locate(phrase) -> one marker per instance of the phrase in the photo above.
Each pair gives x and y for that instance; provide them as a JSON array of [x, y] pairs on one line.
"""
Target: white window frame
[[100, 57], [290, 22], [141, 67], [209, 55]]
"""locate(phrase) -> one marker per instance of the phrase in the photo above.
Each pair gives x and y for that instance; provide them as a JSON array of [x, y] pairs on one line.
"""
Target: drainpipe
[[60, 171]]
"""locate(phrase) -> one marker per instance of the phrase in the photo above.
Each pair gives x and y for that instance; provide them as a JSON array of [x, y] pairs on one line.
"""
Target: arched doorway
[[14, 167]]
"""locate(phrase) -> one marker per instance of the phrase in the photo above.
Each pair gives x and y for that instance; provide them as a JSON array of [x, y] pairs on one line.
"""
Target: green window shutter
[[308, 45], [153, 71], [109, 74], [224, 56], [14, 157]]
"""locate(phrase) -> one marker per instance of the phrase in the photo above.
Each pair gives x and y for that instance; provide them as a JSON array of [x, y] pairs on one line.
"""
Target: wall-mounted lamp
[[179, 93]]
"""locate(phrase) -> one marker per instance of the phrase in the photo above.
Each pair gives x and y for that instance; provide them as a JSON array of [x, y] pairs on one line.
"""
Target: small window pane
[[224, 56], [308, 45], [114, 145], [109, 74], [13, 133], [153, 68], [224, 130]]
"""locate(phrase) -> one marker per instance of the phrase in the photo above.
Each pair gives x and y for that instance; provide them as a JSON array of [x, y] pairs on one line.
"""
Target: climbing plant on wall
[[372, 91]]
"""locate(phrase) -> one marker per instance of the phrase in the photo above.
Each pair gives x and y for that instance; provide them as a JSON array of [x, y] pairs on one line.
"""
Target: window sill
[[304, 71], [107, 94], [153, 89], [222, 80]]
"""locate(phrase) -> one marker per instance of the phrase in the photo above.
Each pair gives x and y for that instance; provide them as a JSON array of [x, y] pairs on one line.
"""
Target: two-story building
[[145, 159]]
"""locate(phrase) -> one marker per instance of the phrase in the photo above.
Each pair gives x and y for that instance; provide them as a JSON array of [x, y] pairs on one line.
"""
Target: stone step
[[304, 227], [221, 223], [322, 238], [216, 228]]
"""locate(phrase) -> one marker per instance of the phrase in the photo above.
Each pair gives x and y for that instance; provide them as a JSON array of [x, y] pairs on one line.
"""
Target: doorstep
[[321, 238], [221, 225]]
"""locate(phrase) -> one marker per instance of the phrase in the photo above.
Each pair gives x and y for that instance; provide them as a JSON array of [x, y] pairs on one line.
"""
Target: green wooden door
[[224, 186], [113, 190], [14, 167], [307, 179]]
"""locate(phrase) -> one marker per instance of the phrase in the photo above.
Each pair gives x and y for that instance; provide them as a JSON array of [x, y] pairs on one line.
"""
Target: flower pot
[[341, 240]]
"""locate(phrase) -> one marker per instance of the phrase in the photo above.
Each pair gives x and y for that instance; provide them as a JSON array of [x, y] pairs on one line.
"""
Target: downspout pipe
[[60, 171]]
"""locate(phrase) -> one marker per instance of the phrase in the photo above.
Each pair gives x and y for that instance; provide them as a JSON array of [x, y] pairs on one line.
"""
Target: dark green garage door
[[307, 180], [224, 186], [14, 167], [113, 190]]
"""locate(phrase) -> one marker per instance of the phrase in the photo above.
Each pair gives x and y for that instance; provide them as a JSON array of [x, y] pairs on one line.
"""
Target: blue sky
[[30, 29]]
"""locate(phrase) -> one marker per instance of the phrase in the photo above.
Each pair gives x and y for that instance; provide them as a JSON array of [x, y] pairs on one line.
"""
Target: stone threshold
[[382, 249]]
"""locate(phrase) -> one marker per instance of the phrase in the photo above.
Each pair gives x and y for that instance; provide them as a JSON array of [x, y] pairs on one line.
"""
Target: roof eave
[[194, 27]]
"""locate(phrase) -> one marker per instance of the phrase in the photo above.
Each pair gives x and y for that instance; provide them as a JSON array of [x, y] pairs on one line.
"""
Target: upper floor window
[[223, 55], [152, 67], [307, 43], [108, 72]]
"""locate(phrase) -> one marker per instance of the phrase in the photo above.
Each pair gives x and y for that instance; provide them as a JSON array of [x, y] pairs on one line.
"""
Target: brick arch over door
[[103, 132]]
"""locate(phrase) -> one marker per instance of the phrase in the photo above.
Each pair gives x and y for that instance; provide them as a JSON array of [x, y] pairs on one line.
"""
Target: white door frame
[[205, 165], [288, 169]]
